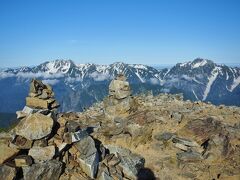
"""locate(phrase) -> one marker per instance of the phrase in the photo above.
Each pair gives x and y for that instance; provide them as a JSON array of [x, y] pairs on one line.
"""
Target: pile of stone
[[119, 103], [48, 145], [178, 139]]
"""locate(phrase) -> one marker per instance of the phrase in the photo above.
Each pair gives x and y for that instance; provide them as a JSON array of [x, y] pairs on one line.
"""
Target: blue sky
[[132, 31]]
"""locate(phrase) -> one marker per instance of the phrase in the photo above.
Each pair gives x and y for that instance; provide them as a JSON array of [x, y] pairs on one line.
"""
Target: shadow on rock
[[145, 174]]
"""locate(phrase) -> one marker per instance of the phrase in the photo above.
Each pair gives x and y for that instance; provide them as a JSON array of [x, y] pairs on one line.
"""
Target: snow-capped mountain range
[[80, 85]]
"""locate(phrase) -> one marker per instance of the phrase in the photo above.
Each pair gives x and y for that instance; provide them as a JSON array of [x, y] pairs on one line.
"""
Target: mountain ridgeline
[[77, 86]]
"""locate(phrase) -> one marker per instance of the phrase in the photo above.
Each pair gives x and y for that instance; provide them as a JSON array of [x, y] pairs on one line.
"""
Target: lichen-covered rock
[[6, 152], [7, 172], [47, 170], [130, 162], [142, 142], [39, 103], [119, 88], [118, 108], [40, 154], [119, 103], [88, 157]]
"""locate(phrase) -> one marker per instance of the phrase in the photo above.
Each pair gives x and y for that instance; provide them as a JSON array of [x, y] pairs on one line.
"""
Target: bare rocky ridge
[[123, 137]]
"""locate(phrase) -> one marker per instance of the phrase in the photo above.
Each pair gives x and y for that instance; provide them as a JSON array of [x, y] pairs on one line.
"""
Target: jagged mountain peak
[[55, 66], [201, 60], [196, 63], [78, 84]]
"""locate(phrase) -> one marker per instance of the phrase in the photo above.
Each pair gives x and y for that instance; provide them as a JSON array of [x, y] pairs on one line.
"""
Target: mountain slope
[[80, 85], [205, 81]]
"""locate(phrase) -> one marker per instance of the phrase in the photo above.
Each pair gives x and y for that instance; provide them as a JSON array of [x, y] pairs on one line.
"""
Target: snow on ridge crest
[[199, 64], [58, 66]]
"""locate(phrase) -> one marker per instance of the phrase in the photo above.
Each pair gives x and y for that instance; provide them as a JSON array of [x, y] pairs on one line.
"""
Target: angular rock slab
[[185, 142], [37, 103], [42, 153], [88, 157], [50, 170], [6, 152], [130, 162], [7, 172], [35, 126], [189, 156], [23, 160], [77, 136], [89, 165]]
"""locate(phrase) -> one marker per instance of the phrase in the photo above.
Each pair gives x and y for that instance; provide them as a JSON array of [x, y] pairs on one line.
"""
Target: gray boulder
[[43, 171], [89, 157], [130, 162], [7, 172]]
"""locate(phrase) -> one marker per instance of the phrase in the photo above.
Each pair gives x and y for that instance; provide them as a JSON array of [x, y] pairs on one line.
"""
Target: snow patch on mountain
[[212, 78], [57, 66], [102, 68], [235, 83], [199, 64], [195, 95], [183, 64], [139, 76], [51, 67], [227, 76], [138, 66]]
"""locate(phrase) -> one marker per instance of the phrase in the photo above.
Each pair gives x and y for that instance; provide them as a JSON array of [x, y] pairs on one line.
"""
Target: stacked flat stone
[[41, 96], [119, 102]]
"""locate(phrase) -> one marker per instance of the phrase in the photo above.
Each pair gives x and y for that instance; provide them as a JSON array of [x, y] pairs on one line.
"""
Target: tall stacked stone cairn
[[46, 145], [119, 103]]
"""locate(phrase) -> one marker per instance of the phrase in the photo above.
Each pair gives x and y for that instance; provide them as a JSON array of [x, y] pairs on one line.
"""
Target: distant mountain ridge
[[80, 85]]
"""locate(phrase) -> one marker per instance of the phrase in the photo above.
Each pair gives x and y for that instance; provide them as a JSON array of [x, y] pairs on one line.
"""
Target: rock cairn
[[176, 139], [119, 103], [47, 145]]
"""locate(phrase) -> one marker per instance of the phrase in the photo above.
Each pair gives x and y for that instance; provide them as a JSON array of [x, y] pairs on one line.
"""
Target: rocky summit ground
[[123, 137]]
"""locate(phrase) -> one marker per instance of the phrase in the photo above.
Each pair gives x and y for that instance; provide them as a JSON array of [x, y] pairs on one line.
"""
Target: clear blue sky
[[132, 31]]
